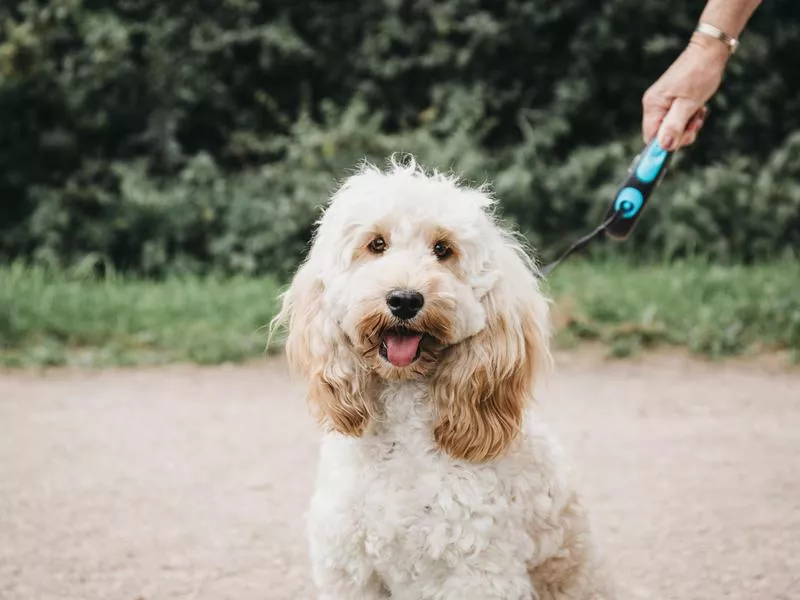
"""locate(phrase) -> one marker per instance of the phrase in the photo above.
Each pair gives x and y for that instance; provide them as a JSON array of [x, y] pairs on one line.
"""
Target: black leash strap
[[583, 242]]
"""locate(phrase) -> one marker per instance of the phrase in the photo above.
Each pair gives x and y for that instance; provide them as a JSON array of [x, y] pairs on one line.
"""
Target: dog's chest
[[424, 512]]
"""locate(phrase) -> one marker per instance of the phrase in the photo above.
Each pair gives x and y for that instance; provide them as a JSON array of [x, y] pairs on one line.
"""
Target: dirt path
[[192, 483]]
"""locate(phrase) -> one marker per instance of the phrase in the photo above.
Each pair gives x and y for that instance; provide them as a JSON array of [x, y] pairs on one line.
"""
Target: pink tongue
[[402, 349]]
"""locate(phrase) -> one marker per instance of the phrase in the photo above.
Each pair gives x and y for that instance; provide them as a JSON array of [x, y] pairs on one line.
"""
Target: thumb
[[652, 118], [676, 121]]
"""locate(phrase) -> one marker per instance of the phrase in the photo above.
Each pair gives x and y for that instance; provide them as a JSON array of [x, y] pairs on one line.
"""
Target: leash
[[645, 173], [582, 242]]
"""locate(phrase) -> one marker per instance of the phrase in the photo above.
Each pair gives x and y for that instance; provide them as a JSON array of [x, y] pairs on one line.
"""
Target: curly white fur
[[437, 479]]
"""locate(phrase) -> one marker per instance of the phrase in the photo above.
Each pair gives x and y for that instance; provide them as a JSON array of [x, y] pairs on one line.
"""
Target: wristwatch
[[716, 33]]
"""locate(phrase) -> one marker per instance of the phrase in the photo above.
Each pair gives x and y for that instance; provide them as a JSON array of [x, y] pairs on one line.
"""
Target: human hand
[[674, 106]]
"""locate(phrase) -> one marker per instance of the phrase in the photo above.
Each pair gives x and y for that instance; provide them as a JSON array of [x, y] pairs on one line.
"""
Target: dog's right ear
[[483, 384], [316, 349]]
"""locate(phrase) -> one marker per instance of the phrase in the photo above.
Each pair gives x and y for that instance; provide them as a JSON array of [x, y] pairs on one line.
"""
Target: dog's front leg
[[485, 582], [340, 567], [340, 586]]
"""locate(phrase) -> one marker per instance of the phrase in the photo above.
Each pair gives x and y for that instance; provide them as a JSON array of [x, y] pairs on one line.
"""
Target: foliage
[[203, 136]]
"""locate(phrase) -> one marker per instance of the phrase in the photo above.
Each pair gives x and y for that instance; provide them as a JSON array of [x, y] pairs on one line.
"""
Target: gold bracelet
[[716, 33]]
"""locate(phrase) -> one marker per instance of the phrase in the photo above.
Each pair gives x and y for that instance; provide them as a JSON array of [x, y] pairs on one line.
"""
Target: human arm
[[674, 106]]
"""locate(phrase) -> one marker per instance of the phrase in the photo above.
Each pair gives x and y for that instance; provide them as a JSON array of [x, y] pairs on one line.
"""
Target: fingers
[[654, 109], [693, 129], [654, 112], [676, 122]]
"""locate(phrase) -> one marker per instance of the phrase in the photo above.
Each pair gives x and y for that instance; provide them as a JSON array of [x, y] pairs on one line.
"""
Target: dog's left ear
[[483, 384]]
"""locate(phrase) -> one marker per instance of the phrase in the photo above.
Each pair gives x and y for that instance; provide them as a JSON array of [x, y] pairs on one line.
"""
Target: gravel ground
[[188, 482]]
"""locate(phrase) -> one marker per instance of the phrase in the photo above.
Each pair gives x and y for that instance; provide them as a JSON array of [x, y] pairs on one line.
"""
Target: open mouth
[[401, 346]]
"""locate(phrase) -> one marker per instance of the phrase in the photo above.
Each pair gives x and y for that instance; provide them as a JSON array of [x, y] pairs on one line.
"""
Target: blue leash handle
[[644, 175]]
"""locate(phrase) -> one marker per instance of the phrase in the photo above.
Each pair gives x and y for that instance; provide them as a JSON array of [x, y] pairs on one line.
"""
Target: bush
[[196, 136]]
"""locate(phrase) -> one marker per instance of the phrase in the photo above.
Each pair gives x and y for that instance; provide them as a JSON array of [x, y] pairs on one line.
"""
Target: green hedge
[[195, 136]]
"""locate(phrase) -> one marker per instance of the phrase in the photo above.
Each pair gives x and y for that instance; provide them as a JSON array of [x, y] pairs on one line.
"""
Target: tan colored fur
[[483, 384], [339, 388]]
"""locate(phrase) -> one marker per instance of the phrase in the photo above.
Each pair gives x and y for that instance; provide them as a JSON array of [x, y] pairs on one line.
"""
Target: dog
[[418, 323]]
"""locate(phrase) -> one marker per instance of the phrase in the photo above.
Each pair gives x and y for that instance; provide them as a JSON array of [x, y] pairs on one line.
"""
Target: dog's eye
[[442, 250], [377, 246]]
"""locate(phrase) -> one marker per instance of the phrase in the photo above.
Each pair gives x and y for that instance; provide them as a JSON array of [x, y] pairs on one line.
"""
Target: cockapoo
[[418, 324]]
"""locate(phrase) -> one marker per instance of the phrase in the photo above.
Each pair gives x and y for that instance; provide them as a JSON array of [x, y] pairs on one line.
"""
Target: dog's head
[[410, 277]]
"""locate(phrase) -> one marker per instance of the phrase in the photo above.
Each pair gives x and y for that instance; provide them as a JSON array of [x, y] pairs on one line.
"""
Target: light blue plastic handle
[[651, 163], [629, 201]]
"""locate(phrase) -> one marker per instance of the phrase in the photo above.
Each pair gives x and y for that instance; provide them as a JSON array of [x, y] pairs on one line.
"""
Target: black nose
[[405, 304]]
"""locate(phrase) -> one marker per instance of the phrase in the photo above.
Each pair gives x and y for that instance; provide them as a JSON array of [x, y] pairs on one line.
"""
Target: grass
[[711, 310], [55, 319]]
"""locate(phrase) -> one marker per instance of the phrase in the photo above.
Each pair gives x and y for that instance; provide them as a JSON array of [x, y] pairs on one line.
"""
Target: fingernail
[[667, 142]]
